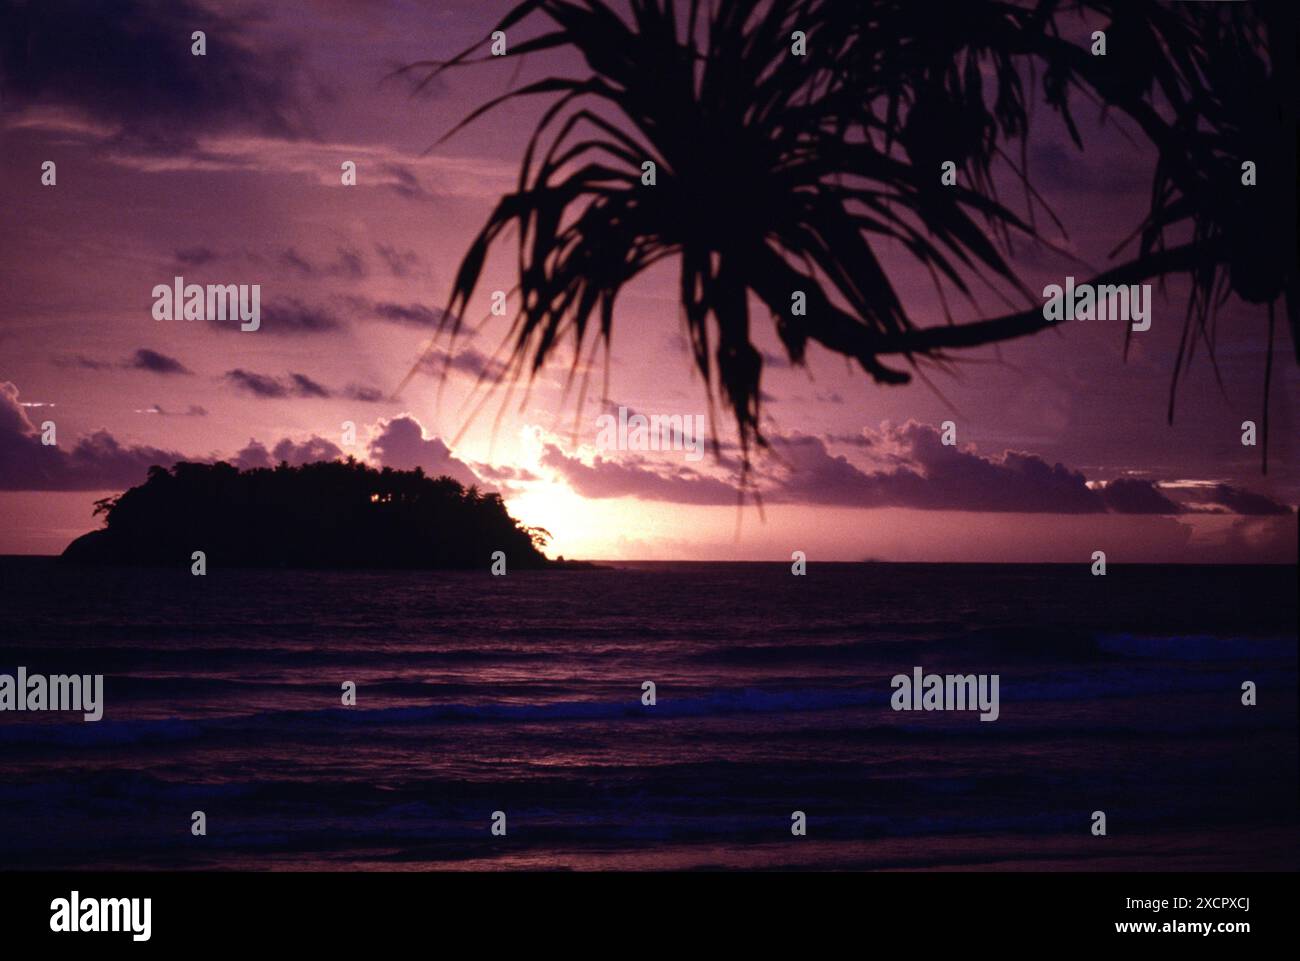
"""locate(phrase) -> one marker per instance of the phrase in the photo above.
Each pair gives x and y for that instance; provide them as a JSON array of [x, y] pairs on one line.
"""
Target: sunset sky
[[225, 169]]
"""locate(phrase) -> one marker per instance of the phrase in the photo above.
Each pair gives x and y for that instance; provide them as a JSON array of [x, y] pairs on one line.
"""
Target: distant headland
[[329, 514]]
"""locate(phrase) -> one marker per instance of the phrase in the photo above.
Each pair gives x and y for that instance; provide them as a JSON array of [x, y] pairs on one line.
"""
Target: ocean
[[523, 695]]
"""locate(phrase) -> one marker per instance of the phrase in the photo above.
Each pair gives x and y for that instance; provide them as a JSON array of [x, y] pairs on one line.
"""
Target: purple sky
[[225, 169]]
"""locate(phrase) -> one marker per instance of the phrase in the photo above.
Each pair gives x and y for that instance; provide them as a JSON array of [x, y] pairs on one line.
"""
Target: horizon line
[[651, 560]]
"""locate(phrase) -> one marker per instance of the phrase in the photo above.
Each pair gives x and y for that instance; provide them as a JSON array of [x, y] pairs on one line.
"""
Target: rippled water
[[523, 694]]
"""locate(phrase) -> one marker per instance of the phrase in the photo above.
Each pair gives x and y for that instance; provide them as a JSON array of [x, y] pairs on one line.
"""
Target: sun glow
[[554, 506]]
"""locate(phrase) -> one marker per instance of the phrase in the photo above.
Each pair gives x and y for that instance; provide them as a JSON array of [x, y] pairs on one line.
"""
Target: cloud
[[912, 469], [347, 263], [259, 385], [1257, 540], [96, 462], [128, 67], [143, 359], [1129, 495], [344, 262], [1226, 499], [194, 410], [275, 388], [921, 472], [304, 386], [306, 452], [414, 315], [292, 261], [860, 439], [85, 363], [253, 456], [291, 316], [366, 395], [268, 387], [400, 263], [466, 360], [154, 362], [400, 443], [380, 166], [607, 478], [99, 462], [195, 256], [294, 453], [400, 179], [504, 473]]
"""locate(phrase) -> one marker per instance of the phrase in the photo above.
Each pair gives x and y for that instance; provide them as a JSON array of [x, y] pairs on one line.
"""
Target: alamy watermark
[[75, 914], [182, 301], [57, 692], [655, 432], [1127, 302], [946, 692]]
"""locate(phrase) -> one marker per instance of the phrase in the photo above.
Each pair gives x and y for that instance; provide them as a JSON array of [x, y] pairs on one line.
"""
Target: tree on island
[[326, 514]]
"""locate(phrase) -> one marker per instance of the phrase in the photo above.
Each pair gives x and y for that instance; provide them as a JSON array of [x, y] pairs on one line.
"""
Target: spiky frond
[[778, 173]]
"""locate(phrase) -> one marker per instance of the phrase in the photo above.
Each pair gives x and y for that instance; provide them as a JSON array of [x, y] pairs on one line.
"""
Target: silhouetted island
[[330, 514]]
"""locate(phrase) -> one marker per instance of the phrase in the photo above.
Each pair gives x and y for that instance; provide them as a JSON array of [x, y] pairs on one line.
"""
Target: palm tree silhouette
[[777, 173]]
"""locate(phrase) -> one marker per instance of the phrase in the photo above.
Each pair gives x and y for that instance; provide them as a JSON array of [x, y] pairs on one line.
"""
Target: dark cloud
[[195, 256], [504, 473], [860, 439], [297, 385], [154, 362], [143, 359], [95, 462], [274, 388], [415, 315], [914, 470], [1226, 499], [291, 452], [922, 473], [466, 360], [402, 182], [253, 456], [401, 444], [305, 452], [259, 385], [1129, 495], [607, 478], [194, 410], [99, 462], [1258, 540], [291, 316], [129, 64], [400, 263], [304, 386], [85, 363], [348, 263], [291, 260], [366, 395]]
